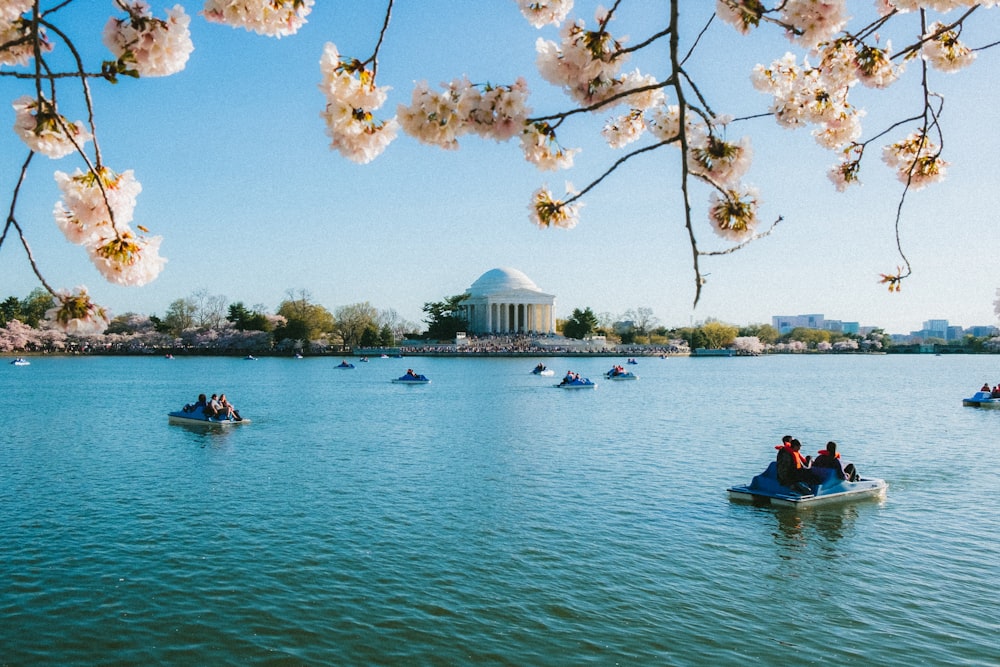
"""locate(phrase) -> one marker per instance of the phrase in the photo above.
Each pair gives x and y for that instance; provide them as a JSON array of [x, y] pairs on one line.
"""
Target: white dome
[[498, 281]]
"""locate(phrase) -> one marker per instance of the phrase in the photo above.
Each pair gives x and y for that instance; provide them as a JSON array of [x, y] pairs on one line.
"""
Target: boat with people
[[982, 399], [542, 369], [619, 373], [344, 364], [574, 381], [250, 357], [195, 415], [764, 489], [20, 361], [411, 378]]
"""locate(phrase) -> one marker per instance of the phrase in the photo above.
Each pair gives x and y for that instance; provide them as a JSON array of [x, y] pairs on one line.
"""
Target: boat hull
[[764, 489], [576, 385], [197, 417], [180, 418], [402, 381], [981, 399]]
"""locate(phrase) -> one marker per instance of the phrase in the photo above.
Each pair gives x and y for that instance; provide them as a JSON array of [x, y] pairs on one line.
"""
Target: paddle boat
[[195, 415], [298, 356], [20, 362], [540, 369], [250, 357], [619, 373], [364, 360], [573, 381], [764, 489], [981, 399], [632, 361], [344, 364], [168, 356], [411, 378]]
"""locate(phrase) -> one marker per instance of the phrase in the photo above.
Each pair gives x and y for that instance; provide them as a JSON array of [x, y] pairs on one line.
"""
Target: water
[[488, 518]]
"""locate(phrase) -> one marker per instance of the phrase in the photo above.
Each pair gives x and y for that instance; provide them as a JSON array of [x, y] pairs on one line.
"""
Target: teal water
[[489, 518]]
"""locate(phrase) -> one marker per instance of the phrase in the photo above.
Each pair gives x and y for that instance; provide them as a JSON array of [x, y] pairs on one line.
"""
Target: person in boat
[[213, 408], [570, 377], [985, 387], [793, 467], [227, 410], [830, 458], [540, 367], [996, 392]]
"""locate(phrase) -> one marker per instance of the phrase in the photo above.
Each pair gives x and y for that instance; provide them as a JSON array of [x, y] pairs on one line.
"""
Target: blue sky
[[237, 178]]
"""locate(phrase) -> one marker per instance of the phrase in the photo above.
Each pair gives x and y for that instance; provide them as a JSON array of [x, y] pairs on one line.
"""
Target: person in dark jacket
[[793, 468], [830, 458]]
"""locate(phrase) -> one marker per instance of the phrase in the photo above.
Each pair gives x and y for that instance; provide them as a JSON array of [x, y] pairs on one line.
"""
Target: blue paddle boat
[[619, 373], [344, 364], [764, 489], [194, 415], [576, 382], [412, 378], [981, 399]]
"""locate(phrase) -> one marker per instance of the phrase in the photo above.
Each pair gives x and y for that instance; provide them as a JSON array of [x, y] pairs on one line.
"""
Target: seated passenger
[[793, 468], [213, 408], [830, 458]]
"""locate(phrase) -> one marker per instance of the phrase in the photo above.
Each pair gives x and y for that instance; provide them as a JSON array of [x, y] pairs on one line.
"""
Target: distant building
[[504, 301], [785, 323]]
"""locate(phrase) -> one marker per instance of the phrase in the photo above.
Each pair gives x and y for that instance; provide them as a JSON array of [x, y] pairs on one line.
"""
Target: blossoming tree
[[636, 112]]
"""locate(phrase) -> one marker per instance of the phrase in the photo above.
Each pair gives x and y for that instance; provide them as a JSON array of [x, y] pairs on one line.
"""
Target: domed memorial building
[[507, 301]]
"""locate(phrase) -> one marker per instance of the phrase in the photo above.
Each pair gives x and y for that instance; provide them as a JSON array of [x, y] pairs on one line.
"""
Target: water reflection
[[204, 435], [797, 527]]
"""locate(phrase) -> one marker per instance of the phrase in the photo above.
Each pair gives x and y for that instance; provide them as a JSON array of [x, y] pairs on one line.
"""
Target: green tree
[[354, 320], [10, 309], [580, 324], [810, 337], [718, 335], [386, 336], [304, 320], [179, 316], [765, 333], [443, 318], [246, 319], [34, 306]]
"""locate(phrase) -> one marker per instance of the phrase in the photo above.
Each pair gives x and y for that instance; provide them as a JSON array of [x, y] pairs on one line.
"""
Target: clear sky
[[238, 179]]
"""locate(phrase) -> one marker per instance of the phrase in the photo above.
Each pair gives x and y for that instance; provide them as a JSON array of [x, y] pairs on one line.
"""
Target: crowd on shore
[[523, 344]]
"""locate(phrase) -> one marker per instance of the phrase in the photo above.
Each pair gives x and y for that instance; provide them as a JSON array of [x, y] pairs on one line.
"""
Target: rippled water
[[488, 518]]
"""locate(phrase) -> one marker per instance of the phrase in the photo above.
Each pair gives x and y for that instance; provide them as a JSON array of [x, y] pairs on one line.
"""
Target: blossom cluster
[[351, 97], [274, 18], [156, 47], [542, 12], [549, 212], [462, 107], [95, 211], [916, 159], [75, 313], [16, 34], [586, 64], [44, 130]]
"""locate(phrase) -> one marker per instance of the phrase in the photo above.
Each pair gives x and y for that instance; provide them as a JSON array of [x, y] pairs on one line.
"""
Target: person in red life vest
[[830, 458], [793, 468]]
